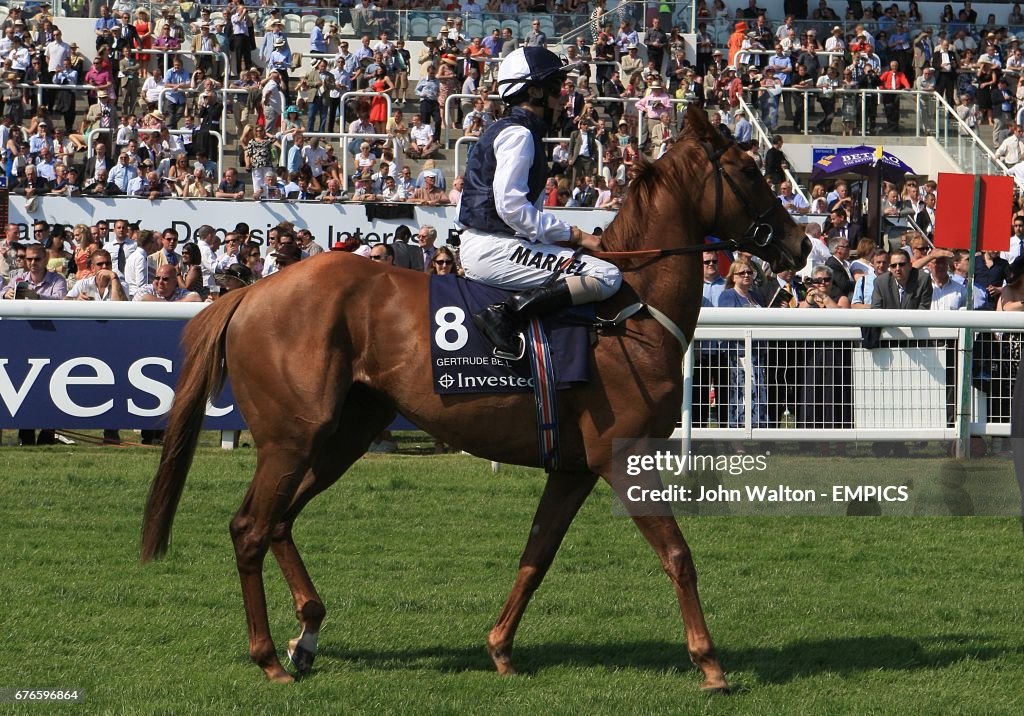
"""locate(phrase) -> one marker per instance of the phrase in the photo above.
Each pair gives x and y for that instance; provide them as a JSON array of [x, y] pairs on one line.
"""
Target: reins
[[759, 232], [728, 245]]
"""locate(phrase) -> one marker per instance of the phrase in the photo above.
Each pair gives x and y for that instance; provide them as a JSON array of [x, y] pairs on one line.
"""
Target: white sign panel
[[329, 223]]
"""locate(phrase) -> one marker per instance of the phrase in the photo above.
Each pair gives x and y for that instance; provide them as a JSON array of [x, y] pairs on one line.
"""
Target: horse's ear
[[697, 124]]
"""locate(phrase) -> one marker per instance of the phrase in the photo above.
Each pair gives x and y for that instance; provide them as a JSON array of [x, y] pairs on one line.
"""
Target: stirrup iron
[[509, 356]]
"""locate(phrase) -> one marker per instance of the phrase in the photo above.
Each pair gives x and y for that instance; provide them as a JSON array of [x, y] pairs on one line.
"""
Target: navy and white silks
[[508, 239]]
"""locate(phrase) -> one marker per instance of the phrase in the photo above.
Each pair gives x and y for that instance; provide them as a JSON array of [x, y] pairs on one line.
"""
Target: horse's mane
[[627, 230]]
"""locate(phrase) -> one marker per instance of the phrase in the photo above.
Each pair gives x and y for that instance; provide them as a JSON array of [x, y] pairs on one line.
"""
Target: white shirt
[[819, 255], [1015, 249], [136, 272], [209, 261], [114, 248], [55, 54], [794, 203], [951, 297], [422, 134], [513, 152]]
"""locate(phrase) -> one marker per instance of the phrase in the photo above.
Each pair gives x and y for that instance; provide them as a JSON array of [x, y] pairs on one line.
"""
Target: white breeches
[[518, 264]]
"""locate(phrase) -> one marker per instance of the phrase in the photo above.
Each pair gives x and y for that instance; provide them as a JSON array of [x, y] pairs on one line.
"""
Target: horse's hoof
[[279, 676], [720, 689], [301, 658], [502, 662]]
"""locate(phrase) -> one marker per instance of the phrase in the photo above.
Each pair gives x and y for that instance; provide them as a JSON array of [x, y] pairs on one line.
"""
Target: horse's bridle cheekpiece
[[760, 232]]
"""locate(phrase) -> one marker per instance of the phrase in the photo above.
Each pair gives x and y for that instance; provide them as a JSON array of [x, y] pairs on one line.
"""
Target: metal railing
[[826, 386], [764, 142], [465, 141]]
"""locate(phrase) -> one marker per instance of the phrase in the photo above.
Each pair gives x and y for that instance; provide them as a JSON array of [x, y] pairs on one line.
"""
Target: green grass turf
[[414, 556]]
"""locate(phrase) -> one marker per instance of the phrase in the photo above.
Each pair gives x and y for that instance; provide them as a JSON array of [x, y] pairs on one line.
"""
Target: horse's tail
[[202, 377]]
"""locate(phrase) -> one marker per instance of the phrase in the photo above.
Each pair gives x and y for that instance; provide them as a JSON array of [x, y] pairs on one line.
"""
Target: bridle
[[759, 232]]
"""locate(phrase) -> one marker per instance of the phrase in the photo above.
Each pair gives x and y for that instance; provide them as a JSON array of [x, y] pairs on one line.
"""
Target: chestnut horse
[[356, 324]]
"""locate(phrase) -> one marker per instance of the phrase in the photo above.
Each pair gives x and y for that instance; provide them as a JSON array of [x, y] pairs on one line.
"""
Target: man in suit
[[205, 41], [839, 262], [613, 87], [946, 64], [840, 227], [903, 287], [582, 151], [407, 255], [572, 109], [926, 217]]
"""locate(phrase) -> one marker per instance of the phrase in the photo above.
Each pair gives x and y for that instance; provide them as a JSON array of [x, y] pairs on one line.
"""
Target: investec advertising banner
[[328, 222], [84, 374]]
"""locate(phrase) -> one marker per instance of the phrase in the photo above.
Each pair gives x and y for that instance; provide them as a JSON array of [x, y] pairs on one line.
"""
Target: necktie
[[120, 258], [124, 189]]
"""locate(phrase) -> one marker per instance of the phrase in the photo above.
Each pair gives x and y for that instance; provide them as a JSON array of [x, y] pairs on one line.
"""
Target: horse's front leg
[[563, 495], [659, 527]]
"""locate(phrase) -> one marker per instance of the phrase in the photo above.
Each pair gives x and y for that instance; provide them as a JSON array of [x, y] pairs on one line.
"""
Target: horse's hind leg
[[563, 495], [280, 467], [363, 416]]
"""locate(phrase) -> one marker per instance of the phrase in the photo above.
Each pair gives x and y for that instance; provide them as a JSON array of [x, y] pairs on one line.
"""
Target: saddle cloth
[[462, 358]]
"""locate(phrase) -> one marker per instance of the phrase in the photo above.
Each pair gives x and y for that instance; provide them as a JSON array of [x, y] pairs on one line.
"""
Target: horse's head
[[738, 204]]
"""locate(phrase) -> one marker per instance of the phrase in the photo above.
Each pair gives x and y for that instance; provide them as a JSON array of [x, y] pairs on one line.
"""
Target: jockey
[[508, 241]]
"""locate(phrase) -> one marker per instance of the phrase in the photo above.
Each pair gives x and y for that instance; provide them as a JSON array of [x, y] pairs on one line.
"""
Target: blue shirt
[[174, 77], [294, 158], [317, 41], [712, 292], [121, 175]]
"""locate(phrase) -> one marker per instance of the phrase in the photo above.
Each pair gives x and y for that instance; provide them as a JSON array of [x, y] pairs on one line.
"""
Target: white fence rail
[[763, 374]]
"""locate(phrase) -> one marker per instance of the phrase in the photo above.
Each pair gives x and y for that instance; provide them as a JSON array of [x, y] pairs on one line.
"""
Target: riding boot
[[502, 323]]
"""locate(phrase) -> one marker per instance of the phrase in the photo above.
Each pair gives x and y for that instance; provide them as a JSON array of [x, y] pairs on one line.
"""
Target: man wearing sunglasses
[[903, 287], [165, 288], [34, 281], [104, 285]]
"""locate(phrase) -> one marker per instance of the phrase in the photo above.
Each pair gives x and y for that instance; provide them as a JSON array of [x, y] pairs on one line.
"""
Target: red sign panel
[[955, 209]]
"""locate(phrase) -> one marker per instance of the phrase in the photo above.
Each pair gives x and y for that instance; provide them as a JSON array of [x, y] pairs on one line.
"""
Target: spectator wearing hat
[[429, 194], [630, 61], [652, 107], [205, 41], [281, 60], [234, 277], [287, 254]]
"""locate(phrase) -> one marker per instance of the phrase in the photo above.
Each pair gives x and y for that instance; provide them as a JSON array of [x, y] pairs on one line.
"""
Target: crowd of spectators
[[154, 133], [625, 99]]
